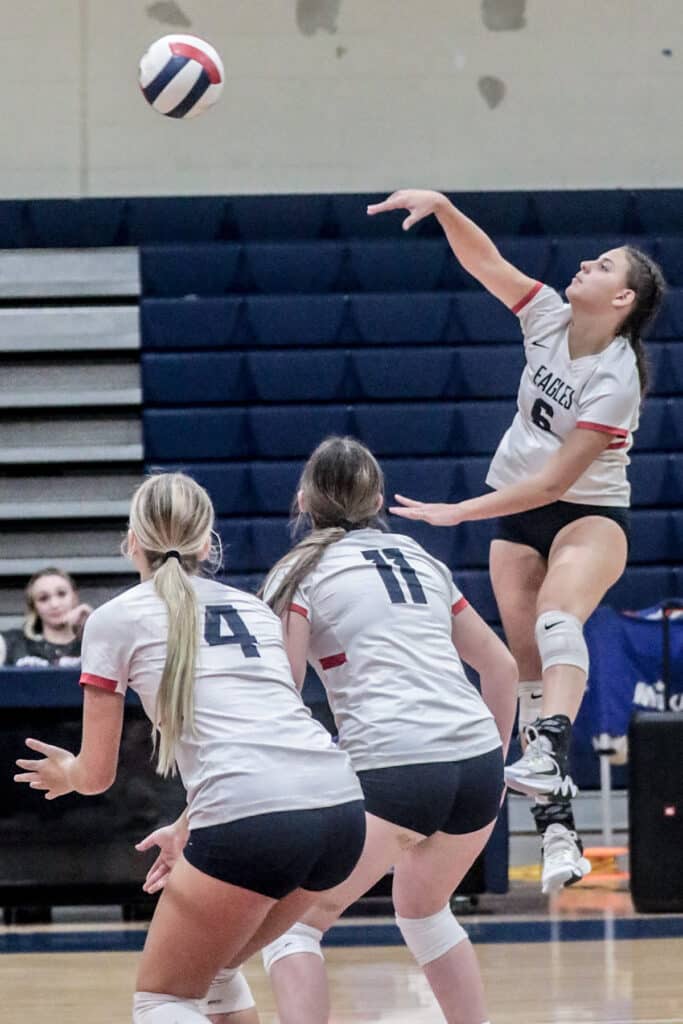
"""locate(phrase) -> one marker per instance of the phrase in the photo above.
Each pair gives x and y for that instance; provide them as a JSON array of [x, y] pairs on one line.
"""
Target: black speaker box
[[656, 811]]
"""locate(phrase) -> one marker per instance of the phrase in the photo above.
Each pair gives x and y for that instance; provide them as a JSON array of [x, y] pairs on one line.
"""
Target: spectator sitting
[[53, 624]]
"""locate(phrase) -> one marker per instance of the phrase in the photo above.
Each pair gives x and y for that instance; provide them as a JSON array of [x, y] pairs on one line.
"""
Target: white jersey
[[255, 748], [380, 610], [557, 394]]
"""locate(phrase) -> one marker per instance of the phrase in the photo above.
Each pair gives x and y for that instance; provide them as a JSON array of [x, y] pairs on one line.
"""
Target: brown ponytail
[[340, 489], [645, 277]]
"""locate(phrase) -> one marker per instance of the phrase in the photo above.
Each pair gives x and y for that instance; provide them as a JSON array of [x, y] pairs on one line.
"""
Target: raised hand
[[419, 202], [435, 513], [171, 840], [51, 774]]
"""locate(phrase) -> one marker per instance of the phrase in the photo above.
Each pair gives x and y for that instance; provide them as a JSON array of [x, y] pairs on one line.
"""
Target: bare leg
[[301, 989], [278, 919], [517, 575], [199, 925], [424, 879], [587, 557], [299, 981]]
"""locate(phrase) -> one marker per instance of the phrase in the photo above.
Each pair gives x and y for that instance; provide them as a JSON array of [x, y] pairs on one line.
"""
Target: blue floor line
[[542, 930]]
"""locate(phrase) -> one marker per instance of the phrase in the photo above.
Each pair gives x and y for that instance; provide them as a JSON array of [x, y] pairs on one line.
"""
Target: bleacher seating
[[269, 322], [305, 318]]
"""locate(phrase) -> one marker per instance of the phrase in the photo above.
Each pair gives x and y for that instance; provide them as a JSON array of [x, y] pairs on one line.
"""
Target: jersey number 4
[[220, 615], [383, 560]]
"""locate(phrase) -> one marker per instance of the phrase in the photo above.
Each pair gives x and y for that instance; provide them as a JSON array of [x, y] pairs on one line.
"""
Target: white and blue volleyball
[[181, 76]]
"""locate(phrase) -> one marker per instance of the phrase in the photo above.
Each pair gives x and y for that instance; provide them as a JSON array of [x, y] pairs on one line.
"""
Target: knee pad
[[300, 938], [428, 938], [559, 637], [159, 1008], [530, 703], [229, 992]]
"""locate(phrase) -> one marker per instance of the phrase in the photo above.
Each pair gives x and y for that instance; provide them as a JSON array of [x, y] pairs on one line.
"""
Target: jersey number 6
[[541, 414], [219, 614]]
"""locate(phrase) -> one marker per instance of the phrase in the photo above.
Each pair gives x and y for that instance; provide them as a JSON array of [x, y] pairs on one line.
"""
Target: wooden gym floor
[[585, 957]]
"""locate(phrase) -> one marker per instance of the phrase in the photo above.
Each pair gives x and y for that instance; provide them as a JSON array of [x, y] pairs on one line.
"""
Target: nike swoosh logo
[[551, 625], [538, 344], [536, 696]]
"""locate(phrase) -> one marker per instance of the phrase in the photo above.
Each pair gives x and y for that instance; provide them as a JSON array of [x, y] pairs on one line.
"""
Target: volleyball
[[181, 76]]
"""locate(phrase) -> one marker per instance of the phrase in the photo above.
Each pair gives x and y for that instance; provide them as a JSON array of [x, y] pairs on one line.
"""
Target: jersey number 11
[[383, 560]]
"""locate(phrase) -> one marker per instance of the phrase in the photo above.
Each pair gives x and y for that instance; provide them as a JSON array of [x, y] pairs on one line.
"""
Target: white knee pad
[[229, 992], [159, 1008], [300, 938], [559, 637], [530, 703], [428, 938]]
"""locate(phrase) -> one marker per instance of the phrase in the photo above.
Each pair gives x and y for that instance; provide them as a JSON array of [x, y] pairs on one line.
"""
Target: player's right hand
[[419, 202], [171, 840]]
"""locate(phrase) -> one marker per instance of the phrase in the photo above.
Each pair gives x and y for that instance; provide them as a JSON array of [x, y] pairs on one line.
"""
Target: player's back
[[380, 609], [253, 747]]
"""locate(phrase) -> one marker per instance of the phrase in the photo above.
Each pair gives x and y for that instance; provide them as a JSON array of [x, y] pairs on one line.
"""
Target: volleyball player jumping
[[560, 489]]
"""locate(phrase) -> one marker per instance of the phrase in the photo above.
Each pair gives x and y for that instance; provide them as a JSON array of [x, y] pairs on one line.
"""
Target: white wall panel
[[382, 93]]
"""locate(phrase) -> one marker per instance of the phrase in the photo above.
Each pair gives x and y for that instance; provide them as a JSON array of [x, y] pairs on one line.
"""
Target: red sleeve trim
[[101, 681], [519, 306], [602, 428], [299, 610], [616, 445], [333, 661], [460, 606]]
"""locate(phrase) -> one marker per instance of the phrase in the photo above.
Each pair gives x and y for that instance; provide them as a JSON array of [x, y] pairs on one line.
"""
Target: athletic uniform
[[272, 804], [424, 744], [556, 395]]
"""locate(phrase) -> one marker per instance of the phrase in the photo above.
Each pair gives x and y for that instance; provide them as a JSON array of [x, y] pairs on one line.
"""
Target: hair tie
[[172, 554]]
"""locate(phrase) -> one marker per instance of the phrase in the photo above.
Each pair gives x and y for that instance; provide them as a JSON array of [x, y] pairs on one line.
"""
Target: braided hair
[[645, 278]]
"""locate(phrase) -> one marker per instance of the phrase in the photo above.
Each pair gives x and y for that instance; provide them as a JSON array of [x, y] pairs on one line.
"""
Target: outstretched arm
[[93, 770], [560, 472], [473, 248]]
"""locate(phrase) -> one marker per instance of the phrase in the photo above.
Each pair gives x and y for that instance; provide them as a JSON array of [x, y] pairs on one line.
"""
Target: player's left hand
[[171, 840], [51, 774], [435, 513]]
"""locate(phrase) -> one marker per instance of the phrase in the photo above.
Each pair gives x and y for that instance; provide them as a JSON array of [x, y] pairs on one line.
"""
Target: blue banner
[[627, 667]]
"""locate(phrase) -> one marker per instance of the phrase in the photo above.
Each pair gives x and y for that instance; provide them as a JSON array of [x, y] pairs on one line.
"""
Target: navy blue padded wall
[[145, 220], [301, 320]]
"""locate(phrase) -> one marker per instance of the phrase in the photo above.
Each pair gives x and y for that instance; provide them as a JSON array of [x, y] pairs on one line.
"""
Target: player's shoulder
[[542, 300], [212, 592], [119, 611], [618, 367], [412, 549]]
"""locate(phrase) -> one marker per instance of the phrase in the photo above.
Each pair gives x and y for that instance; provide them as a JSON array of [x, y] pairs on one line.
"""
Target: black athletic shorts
[[274, 854], [445, 796], [539, 526]]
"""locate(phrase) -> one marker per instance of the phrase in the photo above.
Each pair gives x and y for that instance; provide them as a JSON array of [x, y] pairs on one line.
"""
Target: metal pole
[[604, 750]]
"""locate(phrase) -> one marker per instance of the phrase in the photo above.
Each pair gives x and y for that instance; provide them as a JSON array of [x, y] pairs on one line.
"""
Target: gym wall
[[347, 95]]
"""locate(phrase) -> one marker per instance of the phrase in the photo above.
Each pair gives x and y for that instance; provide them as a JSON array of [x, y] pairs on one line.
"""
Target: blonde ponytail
[[172, 519], [175, 699]]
